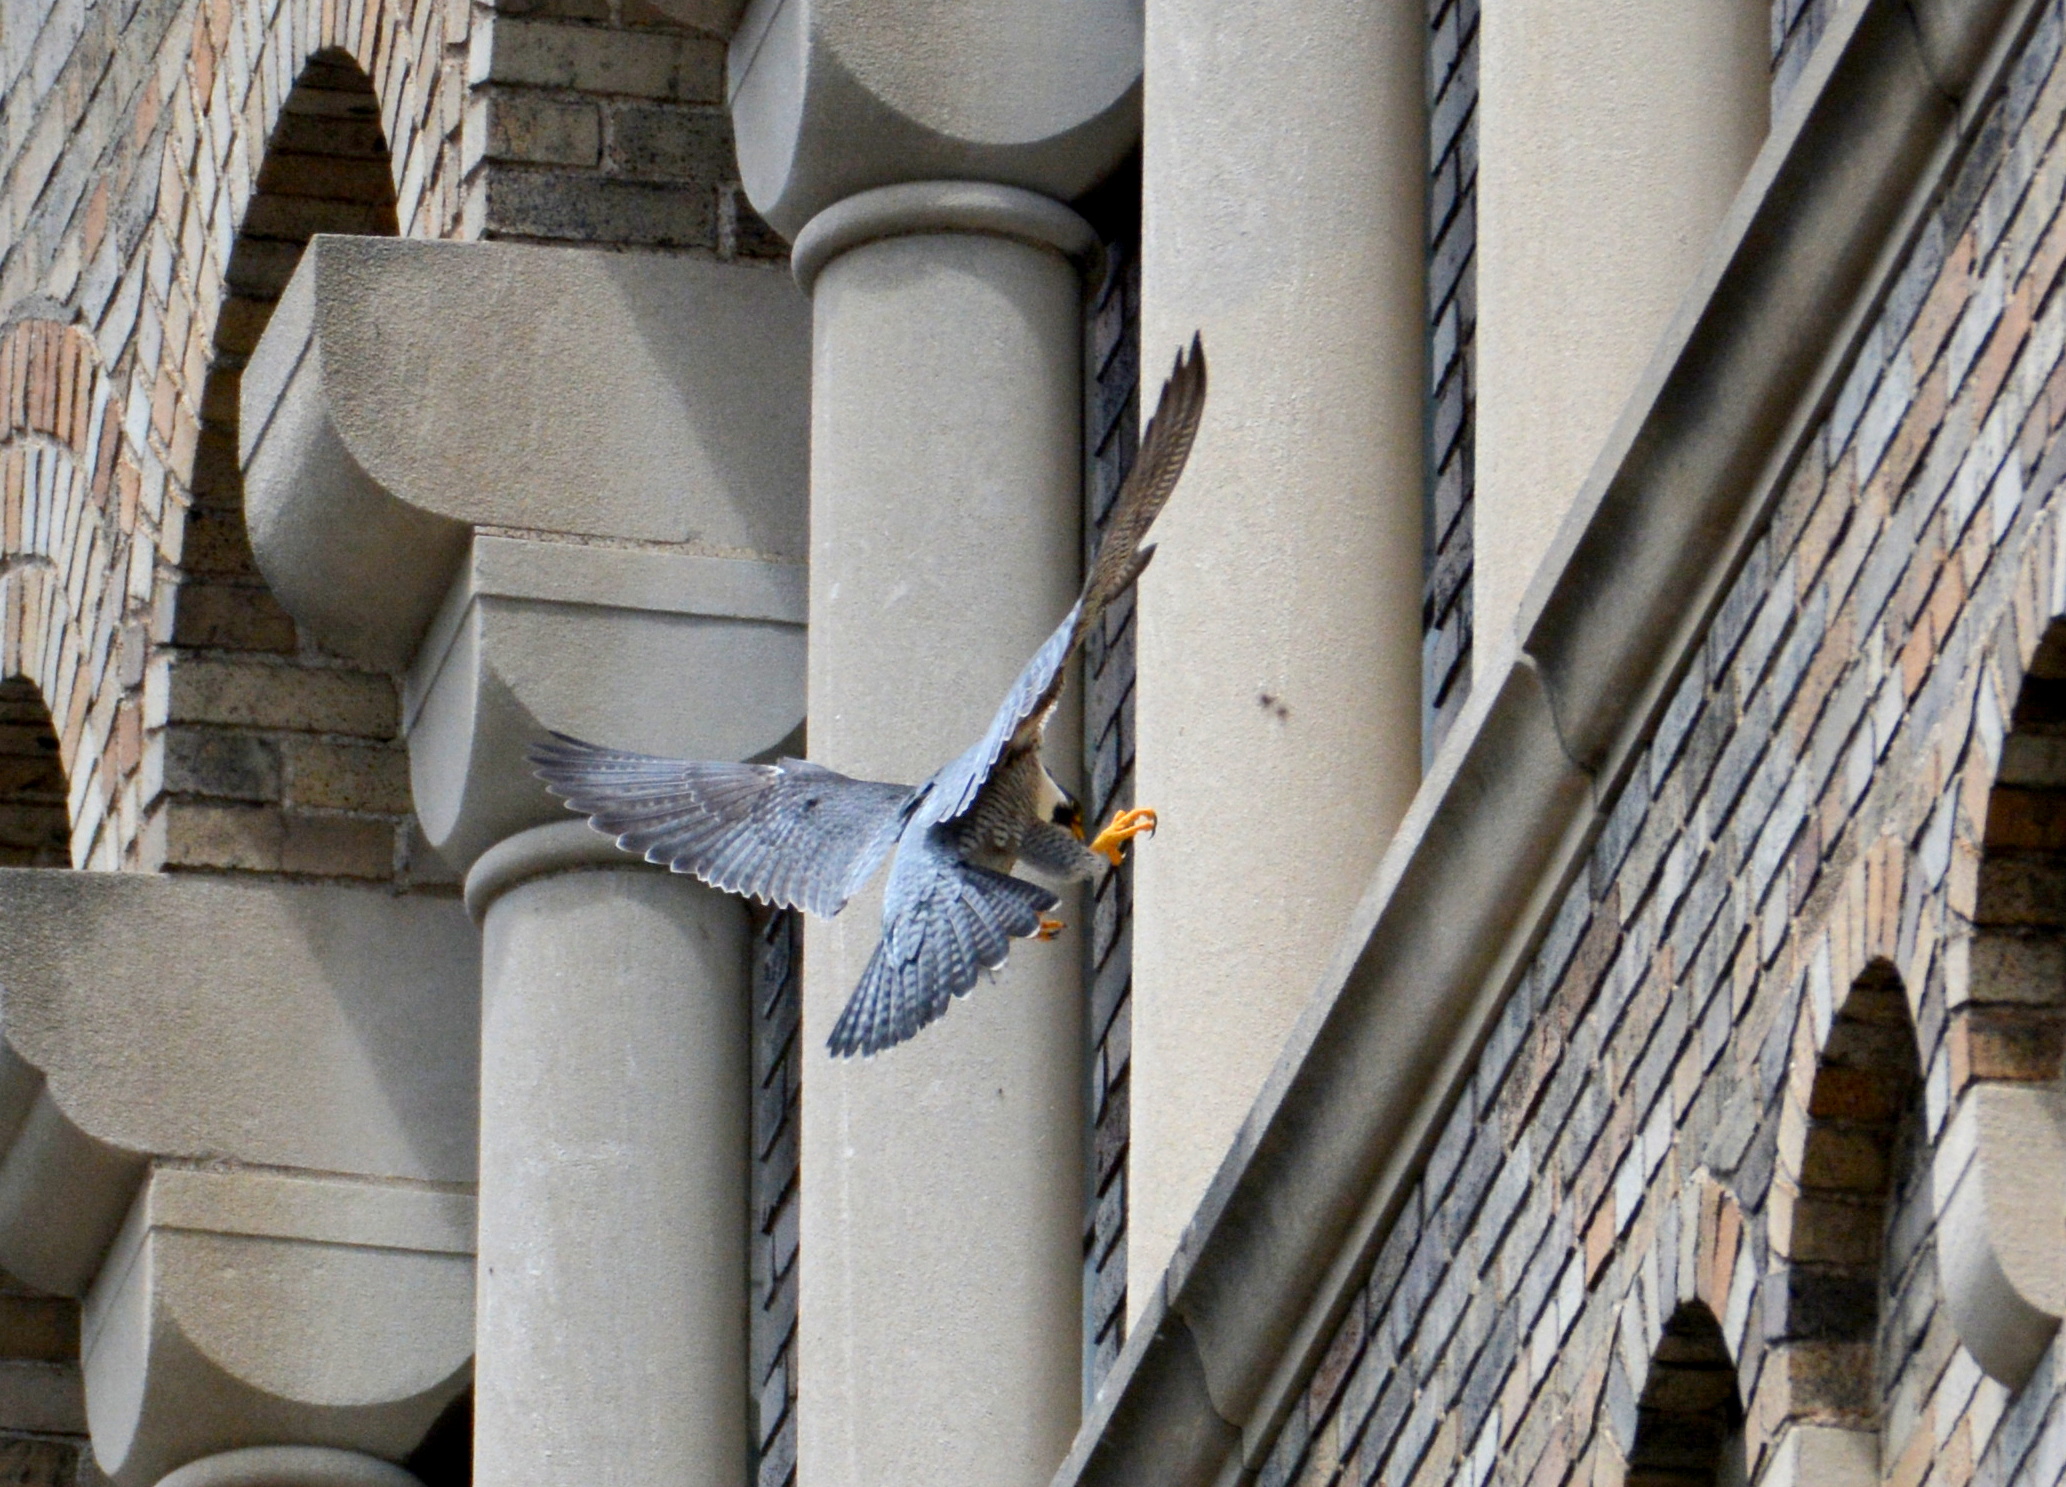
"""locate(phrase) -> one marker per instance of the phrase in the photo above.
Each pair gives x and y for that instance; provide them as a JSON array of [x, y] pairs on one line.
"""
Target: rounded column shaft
[[1278, 696], [942, 1195], [613, 1269]]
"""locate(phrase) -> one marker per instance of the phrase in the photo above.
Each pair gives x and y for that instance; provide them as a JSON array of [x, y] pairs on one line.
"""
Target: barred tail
[[934, 951]]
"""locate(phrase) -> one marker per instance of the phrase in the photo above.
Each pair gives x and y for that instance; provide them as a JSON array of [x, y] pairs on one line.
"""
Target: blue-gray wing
[[1121, 557], [1031, 698], [944, 922], [793, 834]]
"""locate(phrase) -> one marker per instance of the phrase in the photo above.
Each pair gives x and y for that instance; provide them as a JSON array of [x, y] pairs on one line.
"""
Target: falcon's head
[[1058, 805]]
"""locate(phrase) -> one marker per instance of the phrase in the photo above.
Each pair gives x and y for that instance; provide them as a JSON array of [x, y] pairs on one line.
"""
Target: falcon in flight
[[799, 836]]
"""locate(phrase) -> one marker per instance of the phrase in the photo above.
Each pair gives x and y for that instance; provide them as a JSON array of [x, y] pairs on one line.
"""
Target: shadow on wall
[[277, 757], [35, 827], [1689, 1421], [445, 1459], [1851, 1214]]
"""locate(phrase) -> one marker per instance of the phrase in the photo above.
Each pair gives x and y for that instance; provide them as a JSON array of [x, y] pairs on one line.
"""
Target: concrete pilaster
[[612, 1302], [1279, 670], [1613, 138], [941, 1182]]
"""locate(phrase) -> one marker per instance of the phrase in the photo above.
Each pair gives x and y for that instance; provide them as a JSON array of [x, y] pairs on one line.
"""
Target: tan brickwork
[[161, 175], [81, 541], [1829, 905]]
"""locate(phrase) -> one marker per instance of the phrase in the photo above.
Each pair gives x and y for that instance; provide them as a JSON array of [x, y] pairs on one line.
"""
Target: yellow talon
[[1125, 826], [1049, 928]]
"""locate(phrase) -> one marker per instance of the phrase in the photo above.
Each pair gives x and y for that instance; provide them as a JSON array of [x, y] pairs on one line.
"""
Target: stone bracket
[[405, 393], [2001, 1224], [305, 1026], [665, 652], [241, 1307]]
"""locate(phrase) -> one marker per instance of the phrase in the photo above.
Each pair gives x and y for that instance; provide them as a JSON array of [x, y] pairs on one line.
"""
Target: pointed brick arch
[[81, 533], [279, 758], [2010, 1022], [1689, 1418], [35, 826], [325, 169], [1850, 1164]]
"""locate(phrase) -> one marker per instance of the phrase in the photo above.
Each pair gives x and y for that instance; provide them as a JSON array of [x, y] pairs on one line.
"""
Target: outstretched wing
[[793, 834], [1165, 447], [944, 922]]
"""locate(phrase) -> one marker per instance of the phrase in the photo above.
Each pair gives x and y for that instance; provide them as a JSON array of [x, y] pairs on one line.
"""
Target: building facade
[[1594, 1009]]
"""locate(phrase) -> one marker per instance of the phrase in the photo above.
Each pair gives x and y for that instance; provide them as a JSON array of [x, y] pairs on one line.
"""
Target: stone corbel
[[240, 1118], [249, 1305], [556, 488], [1999, 1180]]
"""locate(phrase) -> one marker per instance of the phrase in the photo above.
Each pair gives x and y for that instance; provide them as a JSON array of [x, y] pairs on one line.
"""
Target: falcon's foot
[[1124, 827], [1049, 928]]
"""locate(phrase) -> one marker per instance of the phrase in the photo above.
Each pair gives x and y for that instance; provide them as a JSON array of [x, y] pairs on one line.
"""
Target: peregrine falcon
[[797, 835]]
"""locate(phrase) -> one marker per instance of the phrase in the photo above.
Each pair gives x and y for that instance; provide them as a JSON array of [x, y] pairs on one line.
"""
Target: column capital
[[917, 207], [291, 1466], [563, 847], [831, 98]]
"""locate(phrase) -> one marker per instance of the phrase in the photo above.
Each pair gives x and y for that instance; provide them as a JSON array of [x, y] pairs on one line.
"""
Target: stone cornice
[[1500, 824]]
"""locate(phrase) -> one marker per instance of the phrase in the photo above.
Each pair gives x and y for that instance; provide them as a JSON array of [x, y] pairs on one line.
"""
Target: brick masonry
[[161, 165], [1797, 25], [1112, 346], [1682, 1205], [1452, 365], [777, 1115]]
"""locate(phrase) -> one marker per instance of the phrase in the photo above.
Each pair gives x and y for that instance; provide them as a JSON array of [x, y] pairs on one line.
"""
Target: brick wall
[[1452, 365], [1797, 25], [1681, 1208], [1112, 346], [604, 121], [35, 830], [777, 1113], [161, 165]]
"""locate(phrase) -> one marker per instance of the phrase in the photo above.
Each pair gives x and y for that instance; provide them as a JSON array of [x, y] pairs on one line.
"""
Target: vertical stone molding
[[942, 1181], [614, 1074], [1612, 141], [1279, 690]]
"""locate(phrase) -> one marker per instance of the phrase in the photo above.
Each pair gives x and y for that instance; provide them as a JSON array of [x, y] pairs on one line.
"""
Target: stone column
[[611, 1343], [1612, 139], [942, 1193], [1279, 662]]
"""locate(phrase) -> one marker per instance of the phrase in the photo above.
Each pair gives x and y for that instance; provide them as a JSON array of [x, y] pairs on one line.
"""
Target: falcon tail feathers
[[935, 951]]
